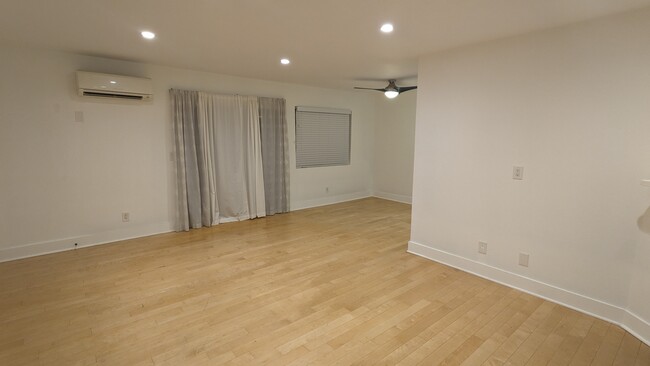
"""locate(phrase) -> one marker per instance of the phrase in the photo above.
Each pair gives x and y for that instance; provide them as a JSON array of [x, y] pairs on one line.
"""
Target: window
[[322, 137]]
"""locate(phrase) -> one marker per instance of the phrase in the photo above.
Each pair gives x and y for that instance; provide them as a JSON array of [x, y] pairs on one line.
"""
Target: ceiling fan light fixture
[[391, 90], [390, 94]]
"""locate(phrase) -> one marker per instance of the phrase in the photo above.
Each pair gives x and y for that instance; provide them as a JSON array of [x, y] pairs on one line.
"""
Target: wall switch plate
[[518, 172], [523, 259], [126, 217], [482, 247]]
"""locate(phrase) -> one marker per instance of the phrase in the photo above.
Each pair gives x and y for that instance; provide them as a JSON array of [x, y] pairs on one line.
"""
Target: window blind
[[322, 137]]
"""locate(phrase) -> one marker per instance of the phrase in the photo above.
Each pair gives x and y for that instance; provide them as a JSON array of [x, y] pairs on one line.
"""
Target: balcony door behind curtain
[[219, 158]]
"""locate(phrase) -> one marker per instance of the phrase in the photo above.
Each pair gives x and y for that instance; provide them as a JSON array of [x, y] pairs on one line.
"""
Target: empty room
[[302, 182]]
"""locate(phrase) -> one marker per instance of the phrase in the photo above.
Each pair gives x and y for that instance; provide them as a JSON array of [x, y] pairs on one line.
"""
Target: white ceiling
[[331, 43]]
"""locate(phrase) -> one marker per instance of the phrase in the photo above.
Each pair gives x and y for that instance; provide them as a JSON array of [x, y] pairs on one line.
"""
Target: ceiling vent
[[91, 84]]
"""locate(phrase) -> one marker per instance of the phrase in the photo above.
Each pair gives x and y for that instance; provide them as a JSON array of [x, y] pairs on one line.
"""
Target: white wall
[[571, 105], [64, 182], [394, 142]]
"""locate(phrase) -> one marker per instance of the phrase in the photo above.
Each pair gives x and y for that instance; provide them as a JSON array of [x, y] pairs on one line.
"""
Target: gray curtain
[[184, 117], [218, 158], [275, 156]]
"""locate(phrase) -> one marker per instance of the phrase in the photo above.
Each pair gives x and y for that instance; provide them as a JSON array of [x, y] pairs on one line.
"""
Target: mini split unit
[[91, 84]]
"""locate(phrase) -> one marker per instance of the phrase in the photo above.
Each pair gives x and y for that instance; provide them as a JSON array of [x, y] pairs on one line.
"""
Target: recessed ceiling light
[[285, 61], [386, 28], [148, 35], [113, 82]]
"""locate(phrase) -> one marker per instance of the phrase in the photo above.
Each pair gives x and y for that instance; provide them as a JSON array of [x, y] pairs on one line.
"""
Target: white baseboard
[[393, 197], [636, 326], [330, 200], [63, 244], [59, 245], [612, 313]]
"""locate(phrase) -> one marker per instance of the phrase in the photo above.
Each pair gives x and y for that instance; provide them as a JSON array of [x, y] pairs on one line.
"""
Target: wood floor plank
[[495, 334], [466, 340], [627, 352], [331, 285], [609, 348], [552, 345], [643, 357]]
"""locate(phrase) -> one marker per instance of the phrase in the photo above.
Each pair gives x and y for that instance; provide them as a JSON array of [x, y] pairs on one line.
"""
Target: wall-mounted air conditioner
[[92, 84]]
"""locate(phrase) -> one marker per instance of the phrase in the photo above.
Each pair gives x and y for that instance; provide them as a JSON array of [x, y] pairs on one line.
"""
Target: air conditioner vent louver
[[112, 95], [113, 86]]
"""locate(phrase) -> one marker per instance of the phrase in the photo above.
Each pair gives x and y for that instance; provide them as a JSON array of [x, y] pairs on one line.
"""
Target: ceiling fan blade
[[381, 90], [406, 88]]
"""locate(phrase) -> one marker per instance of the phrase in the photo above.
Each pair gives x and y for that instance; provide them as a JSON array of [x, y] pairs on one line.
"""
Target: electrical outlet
[[126, 217], [523, 259], [518, 172], [482, 247], [78, 116]]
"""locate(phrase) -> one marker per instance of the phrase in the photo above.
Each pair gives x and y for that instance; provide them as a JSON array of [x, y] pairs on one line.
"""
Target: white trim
[[131, 232], [60, 245], [393, 197], [636, 326], [631, 322], [324, 201]]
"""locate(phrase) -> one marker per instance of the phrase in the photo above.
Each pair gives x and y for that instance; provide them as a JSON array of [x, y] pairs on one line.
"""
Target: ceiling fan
[[392, 90]]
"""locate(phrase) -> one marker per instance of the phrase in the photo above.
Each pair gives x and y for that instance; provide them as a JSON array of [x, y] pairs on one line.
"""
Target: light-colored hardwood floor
[[328, 286]]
